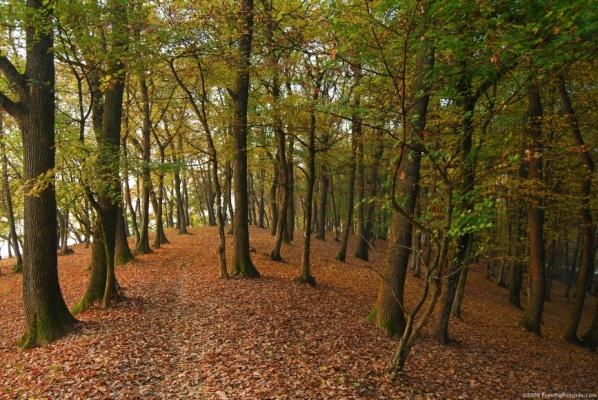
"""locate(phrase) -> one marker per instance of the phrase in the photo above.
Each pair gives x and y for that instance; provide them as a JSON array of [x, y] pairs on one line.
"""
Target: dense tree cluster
[[463, 133]]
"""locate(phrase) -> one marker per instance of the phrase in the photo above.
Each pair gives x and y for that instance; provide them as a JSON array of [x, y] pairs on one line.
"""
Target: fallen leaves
[[183, 333]]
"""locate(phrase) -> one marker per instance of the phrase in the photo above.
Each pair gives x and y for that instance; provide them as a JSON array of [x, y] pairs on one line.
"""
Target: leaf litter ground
[[183, 333]]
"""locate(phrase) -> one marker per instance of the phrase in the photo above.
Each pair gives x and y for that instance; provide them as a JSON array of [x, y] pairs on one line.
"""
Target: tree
[[46, 315], [587, 248], [316, 76], [532, 317], [143, 246], [107, 103], [388, 314], [242, 264], [18, 267], [356, 133]]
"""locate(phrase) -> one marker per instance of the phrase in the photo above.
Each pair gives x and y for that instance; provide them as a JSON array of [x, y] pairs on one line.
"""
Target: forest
[[298, 199]]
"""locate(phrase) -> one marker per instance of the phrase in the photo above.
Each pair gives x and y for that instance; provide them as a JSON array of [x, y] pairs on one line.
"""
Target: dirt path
[[183, 333]]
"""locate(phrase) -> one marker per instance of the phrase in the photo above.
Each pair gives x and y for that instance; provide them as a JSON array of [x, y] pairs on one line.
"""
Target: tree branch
[[11, 107], [15, 78]]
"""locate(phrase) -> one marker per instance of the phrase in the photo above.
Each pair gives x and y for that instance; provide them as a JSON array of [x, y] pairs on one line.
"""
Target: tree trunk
[[46, 315], [261, 201], [10, 215], [229, 196], [122, 252], [63, 230], [574, 262], [210, 198], [552, 248], [367, 234], [440, 328], [355, 139], [128, 202], [586, 266], [388, 312], [335, 218], [242, 264], [324, 183], [184, 183], [290, 224], [97, 273], [306, 276], [274, 206], [362, 242], [143, 246], [532, 317], [181, 223], [158, 203]]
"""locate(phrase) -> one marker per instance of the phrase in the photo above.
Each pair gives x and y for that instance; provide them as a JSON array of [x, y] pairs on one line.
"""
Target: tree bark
[[355, 139], [290, 224], [440, 328], [586, 266], [158, 203], [388, 313], [335, 219], [127, 187], [12, 226], [46, 315], [122, 252], [181, 222], [305, 276], [242, 264], [143, 246], [362, 242], [532, 317]]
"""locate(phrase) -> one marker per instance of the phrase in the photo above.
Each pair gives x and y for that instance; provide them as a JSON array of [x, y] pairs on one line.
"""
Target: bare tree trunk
[[290, 224], [242, 264], [143, 246], [274, 206], [128, 202], [574, 262], [362, 242], [229, 202], [388, 313], [335, 219], [356, 137], [323, 201], [181, 223], [13, 238], [532, 317], [46, 315], [306, 276], [440, 329], [122, 252], [586, 266]]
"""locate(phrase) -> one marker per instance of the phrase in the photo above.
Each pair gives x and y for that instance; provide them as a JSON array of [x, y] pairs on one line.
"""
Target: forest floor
[[183, 333]]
